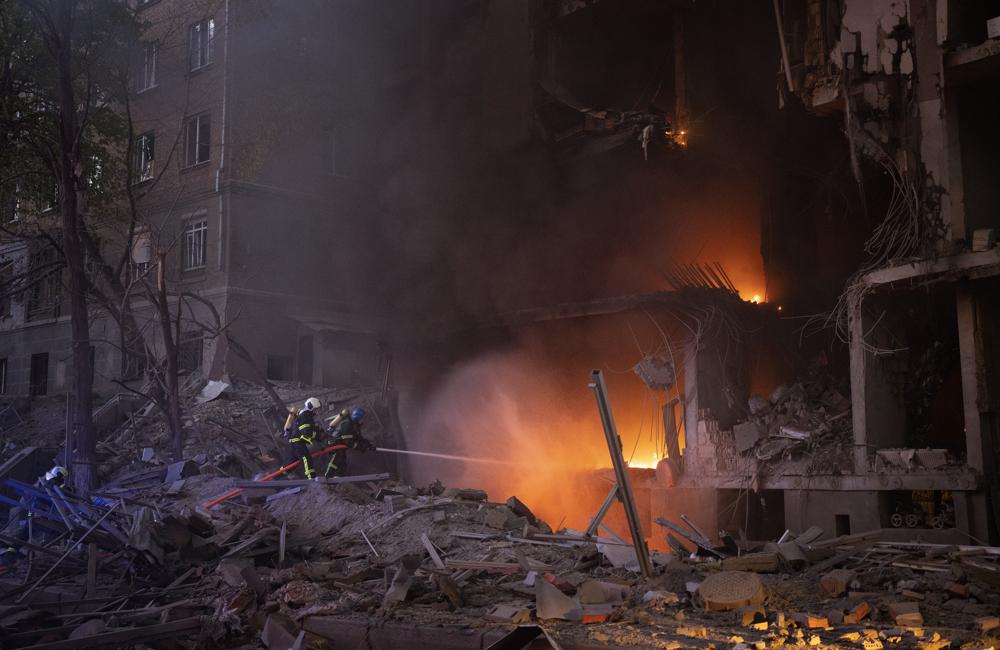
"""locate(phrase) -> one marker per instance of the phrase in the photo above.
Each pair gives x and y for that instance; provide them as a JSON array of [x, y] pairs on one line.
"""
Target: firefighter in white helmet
[[302, 433]]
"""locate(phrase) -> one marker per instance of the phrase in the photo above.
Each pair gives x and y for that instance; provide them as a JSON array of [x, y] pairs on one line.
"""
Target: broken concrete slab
[[466, 494], [746, 434], [279, 633], [620, 556], [181, 470], [837, 582], [508, 614], [231, 570], [905, 613], [552, 603], [596, 591], [212, 390], [657, 373], [497, 518], [175, 488], [520, 510]]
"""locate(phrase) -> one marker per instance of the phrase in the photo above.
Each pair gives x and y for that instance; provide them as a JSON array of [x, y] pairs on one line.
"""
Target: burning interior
[[769, 226]]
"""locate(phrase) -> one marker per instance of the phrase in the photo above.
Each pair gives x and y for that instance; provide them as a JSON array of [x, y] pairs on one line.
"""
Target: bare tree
[[57, 100]]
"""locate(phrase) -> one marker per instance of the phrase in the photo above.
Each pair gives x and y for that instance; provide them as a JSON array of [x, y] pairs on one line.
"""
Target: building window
[[6, 278], [141, 255], [46, 289], [3, 376], [131, 365], [146, 66], [38, 381], [190, 351], [198, 138], [201, 42], [195, 242], [142, 158]]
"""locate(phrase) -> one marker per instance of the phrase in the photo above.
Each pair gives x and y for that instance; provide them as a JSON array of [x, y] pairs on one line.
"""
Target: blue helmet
[[358, 414]]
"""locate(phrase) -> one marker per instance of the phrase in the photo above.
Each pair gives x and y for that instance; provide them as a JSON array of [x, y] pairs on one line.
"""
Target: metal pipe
[[621, 473], [599, 517], [69, 550], [784, 46]]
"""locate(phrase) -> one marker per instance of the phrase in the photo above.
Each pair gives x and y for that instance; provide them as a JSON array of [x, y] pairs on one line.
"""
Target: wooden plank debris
[[495, 566], [126, 637], [689, 537], [426, 541], [285, 483]]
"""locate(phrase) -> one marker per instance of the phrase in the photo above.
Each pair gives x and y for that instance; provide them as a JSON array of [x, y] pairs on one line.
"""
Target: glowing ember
[[648, 462]]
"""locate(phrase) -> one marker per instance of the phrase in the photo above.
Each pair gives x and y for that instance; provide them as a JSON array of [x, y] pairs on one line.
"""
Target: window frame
[[142, 239], [192, 249], [144, 158], [199, 123], [201, 44], [36, 386], [146, 81]]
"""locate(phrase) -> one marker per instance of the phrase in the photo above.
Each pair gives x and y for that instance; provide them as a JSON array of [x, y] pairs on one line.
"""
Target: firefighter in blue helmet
[[347, 431], [302, 433]]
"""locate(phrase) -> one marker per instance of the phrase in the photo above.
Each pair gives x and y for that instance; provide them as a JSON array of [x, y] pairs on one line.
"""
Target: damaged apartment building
[[914, 86], [247, 170]]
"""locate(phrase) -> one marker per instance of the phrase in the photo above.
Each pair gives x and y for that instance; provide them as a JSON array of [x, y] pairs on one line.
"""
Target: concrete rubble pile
[[807, 417], [296, 563], [369, 562]]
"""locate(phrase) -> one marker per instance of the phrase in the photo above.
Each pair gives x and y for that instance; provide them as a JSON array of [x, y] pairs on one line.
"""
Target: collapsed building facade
[[398, 190]]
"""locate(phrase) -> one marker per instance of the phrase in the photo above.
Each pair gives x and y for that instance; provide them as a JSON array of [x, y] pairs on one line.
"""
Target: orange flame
[[508, 407]]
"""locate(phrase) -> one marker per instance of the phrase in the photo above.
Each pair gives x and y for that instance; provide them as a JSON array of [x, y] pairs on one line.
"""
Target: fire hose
[[284, 470], [316, 454]]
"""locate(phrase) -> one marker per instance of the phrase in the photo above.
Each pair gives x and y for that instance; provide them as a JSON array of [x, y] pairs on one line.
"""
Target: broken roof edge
[[978, 264]]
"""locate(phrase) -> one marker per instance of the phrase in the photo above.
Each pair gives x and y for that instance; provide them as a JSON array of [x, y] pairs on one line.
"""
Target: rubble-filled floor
[[371, 562]]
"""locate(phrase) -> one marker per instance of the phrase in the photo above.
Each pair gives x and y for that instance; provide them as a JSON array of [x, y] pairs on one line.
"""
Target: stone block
[[836, 582]]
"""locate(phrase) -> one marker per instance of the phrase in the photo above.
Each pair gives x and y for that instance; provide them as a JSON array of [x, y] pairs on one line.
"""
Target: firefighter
[[347, 432], [302, 433], [56, 477]]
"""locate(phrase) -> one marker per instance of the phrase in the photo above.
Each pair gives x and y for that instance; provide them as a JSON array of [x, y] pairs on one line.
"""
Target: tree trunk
[[170, 366], [83, 373]]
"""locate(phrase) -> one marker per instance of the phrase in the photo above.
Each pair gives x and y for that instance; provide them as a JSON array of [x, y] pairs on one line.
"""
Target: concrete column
[[878, 413], [978, 448]]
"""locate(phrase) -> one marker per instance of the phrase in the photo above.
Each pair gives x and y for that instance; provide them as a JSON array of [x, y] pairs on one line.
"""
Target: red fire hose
[[283, 470]]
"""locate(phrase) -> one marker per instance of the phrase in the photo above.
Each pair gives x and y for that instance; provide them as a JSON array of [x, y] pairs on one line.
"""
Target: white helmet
[[311, 404], [57, 471]]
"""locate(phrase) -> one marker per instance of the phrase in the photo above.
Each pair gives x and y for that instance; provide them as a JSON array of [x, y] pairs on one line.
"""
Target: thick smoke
[[529, 406]]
